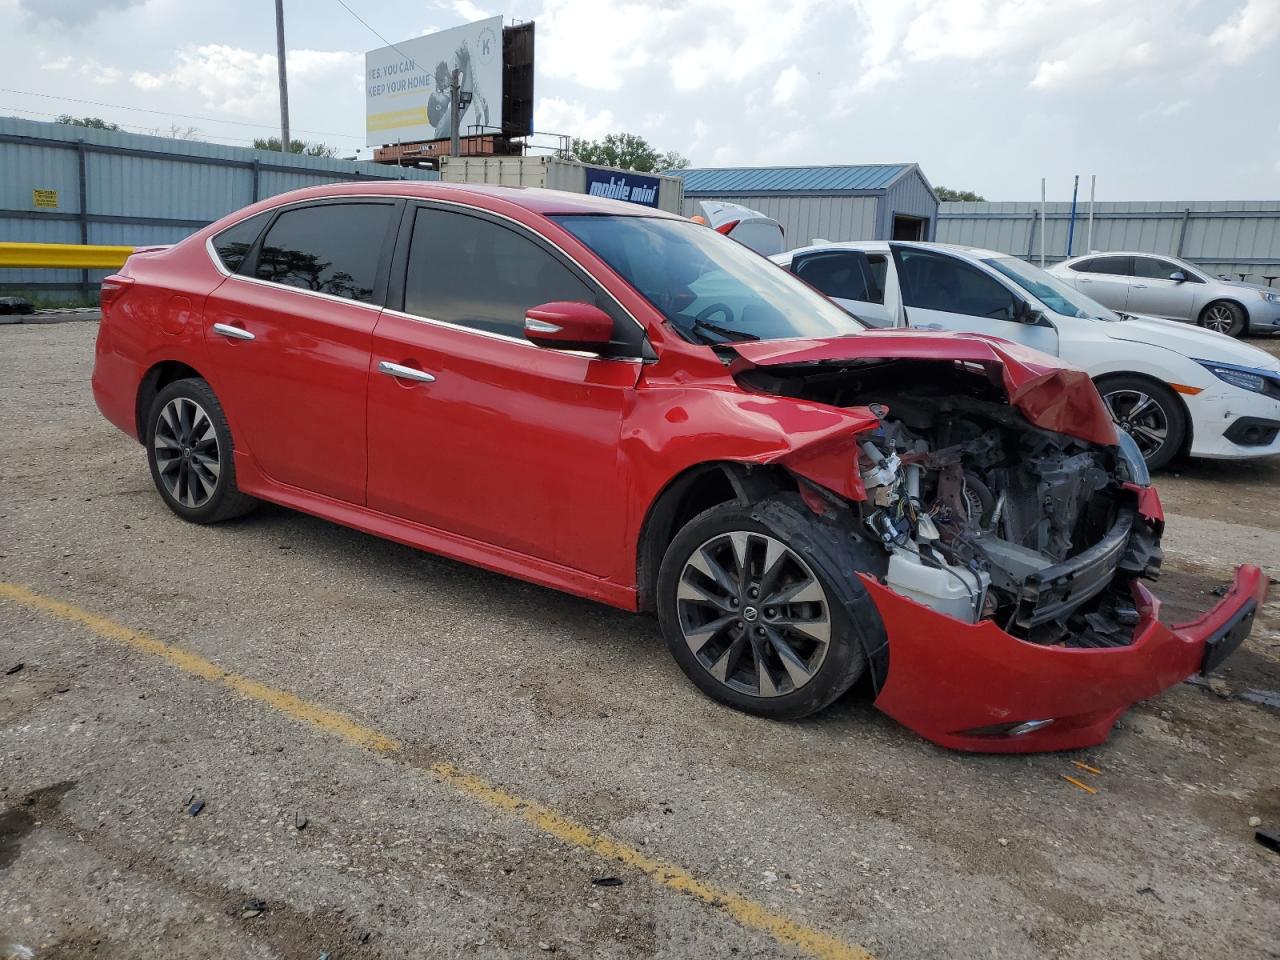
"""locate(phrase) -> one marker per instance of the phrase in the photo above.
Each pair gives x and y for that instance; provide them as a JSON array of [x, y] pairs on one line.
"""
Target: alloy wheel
[[1219, 317], [1141, 416], [753, 614], [187, 454]]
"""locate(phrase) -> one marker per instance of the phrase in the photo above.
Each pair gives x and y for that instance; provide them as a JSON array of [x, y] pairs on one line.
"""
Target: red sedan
[[622, 404]]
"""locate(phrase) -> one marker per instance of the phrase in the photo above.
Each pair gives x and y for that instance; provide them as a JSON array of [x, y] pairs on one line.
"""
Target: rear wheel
[[758, 613], [190, 453], [1224, 317], [1150, 413]]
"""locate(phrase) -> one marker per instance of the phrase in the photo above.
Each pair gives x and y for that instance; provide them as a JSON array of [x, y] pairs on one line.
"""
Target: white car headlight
[[1271, 296], [1242, 377]]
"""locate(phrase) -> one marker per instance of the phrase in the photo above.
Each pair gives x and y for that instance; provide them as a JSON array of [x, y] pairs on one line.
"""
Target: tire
[[1225, 317], [191, 465], [827, 621], [1145, 409]]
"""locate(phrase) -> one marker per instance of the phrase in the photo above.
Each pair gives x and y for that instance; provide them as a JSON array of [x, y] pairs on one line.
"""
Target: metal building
[[1235, 238], [874, 201], [66, 184]]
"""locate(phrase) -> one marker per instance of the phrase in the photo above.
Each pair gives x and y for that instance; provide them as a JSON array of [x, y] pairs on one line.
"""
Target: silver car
[[1159, 286]]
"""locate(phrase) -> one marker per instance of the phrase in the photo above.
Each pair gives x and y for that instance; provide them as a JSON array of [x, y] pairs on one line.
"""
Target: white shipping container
[[550, 172]]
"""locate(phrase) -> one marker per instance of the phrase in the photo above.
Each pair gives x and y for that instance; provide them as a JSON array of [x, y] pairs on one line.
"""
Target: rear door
[[1153, 293], [852, 278], [289, 335], [941, 290], [474, 430], [1106, 279]]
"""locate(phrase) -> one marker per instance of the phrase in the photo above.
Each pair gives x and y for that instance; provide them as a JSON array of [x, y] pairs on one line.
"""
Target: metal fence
[[1239, 239], [67, 184]]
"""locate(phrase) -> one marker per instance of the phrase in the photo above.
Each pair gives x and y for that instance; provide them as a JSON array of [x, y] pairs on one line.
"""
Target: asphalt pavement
[[277, 737]]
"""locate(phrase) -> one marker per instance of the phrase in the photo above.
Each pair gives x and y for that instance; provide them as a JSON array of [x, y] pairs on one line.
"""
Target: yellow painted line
[[745, 911], [63, 256]]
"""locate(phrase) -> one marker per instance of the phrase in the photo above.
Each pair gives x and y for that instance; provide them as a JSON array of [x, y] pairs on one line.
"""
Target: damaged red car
[[619, 403]]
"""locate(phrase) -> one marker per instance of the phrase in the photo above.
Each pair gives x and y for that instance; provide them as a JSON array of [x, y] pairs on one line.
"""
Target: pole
[[1042, 188], [284, 81], [455, 115], [1071, 227], [1093, 189]]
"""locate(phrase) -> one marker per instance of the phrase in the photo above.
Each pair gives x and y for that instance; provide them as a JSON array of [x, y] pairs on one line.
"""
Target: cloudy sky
[[1162, 99]]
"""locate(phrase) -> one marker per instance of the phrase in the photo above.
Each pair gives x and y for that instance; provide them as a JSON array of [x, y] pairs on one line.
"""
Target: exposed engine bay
[[979, 514]]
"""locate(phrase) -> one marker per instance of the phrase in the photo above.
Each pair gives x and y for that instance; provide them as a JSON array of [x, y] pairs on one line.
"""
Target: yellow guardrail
[[63, 256]]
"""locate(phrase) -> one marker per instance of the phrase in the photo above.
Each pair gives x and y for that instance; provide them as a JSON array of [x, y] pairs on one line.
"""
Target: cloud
[[98, 74], [60, 64], [1253, 27], [70, 13], [557, 115], [789, 84], [468, 11], [238, 80]]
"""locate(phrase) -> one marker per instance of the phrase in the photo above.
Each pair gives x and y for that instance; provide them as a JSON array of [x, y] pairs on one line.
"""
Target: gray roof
[[724, 181]]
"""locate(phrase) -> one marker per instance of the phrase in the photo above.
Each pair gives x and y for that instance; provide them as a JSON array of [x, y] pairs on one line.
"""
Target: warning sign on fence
[[44, 198]]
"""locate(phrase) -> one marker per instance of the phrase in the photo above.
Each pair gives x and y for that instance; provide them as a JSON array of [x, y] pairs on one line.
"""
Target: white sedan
[[1172, 387]]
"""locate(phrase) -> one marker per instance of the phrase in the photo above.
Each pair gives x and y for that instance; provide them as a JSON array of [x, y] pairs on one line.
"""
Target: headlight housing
[[1271, 296], [1255, 381]]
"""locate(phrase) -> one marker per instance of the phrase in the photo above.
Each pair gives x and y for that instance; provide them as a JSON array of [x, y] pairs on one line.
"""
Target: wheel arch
[[1182, 404], [157, 377], [690, 492], [1231, 300]]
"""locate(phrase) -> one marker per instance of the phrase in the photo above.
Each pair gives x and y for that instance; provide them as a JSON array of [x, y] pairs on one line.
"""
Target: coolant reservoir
[[954, 591]]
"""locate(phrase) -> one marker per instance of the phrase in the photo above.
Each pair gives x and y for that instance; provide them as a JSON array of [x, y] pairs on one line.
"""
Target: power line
[[170, 113], [375, 32], [154, 131]]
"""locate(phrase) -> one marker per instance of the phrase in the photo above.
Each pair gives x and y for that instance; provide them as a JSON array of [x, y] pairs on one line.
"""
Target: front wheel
[[1150, 413], [757, 611], [1224, 317]]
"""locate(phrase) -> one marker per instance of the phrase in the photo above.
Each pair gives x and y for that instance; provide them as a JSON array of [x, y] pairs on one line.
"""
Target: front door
[[474, 430], [940, 290], [1152, 292], [288, 342]]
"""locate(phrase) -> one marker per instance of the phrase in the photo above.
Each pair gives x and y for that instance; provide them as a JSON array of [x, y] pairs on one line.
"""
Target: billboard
[[406, 86]]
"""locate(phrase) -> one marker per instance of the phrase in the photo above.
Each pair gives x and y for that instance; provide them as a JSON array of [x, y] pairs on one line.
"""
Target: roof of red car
[[531, 198]]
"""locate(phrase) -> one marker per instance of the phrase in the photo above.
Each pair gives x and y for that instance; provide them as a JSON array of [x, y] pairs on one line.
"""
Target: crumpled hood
[[1191, 341], [1051, 394]]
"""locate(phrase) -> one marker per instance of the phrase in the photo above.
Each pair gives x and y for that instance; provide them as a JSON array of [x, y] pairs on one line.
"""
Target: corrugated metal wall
[[809, 218], [911, 197], [1226, 237], [139, 190]]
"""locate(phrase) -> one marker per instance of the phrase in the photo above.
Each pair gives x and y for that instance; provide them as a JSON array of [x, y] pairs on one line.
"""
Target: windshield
[[1050, 291], [710, 288]]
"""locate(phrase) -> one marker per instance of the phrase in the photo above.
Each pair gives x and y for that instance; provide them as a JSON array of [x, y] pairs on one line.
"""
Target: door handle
[[1139, 286], [235, 333], [400, 371]]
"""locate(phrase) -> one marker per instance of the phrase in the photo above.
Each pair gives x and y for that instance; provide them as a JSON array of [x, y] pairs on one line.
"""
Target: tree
[[625, 151], [97, 123], [296, 146], [946, 193]]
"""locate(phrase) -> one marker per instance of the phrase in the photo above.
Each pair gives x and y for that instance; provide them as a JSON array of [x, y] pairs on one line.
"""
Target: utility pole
[[1093, 189], [455, 115], [1042, 218], [1071, 230], [284, 80]]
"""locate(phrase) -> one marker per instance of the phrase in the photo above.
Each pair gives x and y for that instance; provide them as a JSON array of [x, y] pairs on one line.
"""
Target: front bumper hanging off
[[975, 687]]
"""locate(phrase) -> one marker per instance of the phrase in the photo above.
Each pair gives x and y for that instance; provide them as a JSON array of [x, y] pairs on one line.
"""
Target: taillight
[[727, 228], [113, 288]]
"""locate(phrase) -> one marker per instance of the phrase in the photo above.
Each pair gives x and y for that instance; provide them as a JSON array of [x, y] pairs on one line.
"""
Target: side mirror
[[1025, 313], [568, 325], [1178, 276]]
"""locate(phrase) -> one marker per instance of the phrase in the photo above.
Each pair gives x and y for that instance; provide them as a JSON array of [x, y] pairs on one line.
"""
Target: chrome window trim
[[521, 341], [393, 197]]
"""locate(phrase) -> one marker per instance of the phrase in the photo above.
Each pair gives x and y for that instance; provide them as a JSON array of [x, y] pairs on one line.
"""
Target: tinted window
[[1119, 266], [232, 244], [479, 274], [1153, 269], [330, 248], [934, 281], [879, 264], [835, 274]]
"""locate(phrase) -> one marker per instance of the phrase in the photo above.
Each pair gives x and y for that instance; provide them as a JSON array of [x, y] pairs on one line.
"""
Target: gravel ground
[[846, 825]]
